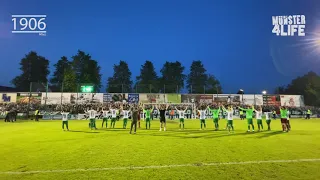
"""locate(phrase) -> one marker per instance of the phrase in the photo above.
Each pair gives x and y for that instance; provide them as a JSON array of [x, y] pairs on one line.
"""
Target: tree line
[[81, 69], [307, 85]]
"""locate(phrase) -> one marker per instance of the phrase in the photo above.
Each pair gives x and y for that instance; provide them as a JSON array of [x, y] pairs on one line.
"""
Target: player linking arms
[[113, 116], [249, 113], [148, 112], [288, 120], [283, 116], [125, 116], [92, 117], [268, 119], [259, 118], [181, 114], [162, 110], [215, 115], [105, 117], [202, 117], [229, 117]]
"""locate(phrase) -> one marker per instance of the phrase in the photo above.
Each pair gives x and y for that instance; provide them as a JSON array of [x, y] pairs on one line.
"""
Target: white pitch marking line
[[164, 166]]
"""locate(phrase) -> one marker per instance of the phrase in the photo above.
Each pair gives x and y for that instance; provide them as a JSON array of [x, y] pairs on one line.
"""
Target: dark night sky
[[232, 37]]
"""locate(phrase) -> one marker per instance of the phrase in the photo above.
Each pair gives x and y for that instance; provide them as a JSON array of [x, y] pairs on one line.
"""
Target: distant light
[[264, 92], [87, 89]]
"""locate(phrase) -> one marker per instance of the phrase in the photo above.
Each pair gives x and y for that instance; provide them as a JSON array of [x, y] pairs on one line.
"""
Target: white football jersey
[[65, 116], [230, 114], [92, 114], [258, 114], [105, 114], [267, 115], [113, 113], [202, 114], [181, 114], [126, 114]]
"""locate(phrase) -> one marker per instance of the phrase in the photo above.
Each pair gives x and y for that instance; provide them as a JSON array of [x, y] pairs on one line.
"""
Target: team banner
[[114, 97], [107, 97], [252, 99], [35, 98], [55, 98], [189, 98], [153, 98], [8, 97], [89, 98], [227, 98], [292, 100], [196, 98], [272, 100], [58, 116], [72, 98], [133, 98], [206, 98]]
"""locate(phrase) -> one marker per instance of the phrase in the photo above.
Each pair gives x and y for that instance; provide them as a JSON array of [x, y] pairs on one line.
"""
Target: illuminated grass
[[42, 146]]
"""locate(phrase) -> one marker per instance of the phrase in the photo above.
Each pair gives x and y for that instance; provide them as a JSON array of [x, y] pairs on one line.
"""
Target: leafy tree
[[172, 78], [69, 80], [197, 78], [147, 81], [213, 85], [199, 81], [307, 85], [121, 79], [34, 68], [86, 69], [58, 76], [280, 90], [94, 77]]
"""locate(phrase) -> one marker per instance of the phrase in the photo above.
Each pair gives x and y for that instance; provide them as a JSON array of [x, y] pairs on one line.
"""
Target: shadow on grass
[[113, 129], [169, 121], [84, 131], [190, 134], [194, 134], [273, 133]]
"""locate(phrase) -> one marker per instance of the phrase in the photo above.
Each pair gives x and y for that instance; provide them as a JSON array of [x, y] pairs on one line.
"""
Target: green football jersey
[[148, 113], [283, 113], [249, 112], [215, 113]]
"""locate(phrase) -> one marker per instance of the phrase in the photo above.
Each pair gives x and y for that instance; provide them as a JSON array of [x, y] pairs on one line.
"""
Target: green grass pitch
[[42, 150]]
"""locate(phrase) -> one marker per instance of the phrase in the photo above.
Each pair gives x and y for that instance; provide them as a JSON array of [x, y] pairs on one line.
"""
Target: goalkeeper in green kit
[[148, 115], [249, 114], [215, 115]]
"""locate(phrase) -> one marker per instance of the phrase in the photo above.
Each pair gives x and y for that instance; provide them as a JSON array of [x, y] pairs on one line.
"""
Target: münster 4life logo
[[292, 25], [23, 24]]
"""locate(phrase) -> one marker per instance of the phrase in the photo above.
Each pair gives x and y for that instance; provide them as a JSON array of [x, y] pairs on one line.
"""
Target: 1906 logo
[[29, 24]]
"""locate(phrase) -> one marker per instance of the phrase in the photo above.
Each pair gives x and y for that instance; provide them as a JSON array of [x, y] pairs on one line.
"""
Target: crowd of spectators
[[82, 108]]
